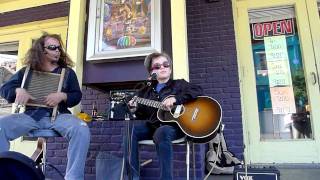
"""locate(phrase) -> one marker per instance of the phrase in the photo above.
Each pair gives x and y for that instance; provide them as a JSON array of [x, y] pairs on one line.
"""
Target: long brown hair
[[35, 53]]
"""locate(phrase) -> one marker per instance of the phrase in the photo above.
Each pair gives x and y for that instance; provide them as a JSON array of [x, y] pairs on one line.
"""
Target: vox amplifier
[[256, 173]]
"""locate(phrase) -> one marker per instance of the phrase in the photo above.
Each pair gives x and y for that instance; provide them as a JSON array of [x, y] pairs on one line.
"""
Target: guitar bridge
[[177, 111], [195, 113]]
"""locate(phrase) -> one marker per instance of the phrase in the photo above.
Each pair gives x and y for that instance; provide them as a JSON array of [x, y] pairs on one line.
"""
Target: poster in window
[[123, 28]]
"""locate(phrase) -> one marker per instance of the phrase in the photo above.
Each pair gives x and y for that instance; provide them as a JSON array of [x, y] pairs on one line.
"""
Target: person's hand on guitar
[[22, 97], [132, 105], [169, 103], [54, 99]]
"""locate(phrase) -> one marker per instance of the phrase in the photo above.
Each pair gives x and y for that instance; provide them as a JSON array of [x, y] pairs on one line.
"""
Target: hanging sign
[[282, 100], [272, 28], [279, 74], [277, 61]]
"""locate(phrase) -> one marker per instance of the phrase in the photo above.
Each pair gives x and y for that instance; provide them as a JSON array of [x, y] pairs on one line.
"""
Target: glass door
[[284, 111], [279, 66]]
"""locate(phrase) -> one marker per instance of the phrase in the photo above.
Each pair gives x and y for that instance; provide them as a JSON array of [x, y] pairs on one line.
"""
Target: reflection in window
[[8, 61]]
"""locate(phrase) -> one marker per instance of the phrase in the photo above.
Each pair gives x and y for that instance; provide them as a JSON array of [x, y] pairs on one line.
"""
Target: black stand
[[127, 149]]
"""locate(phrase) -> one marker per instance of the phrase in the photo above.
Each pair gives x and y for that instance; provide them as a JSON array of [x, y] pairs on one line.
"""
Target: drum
[[16, 166]]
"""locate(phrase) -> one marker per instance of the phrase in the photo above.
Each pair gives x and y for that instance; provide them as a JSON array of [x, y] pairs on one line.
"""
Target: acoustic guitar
[[199, 119]]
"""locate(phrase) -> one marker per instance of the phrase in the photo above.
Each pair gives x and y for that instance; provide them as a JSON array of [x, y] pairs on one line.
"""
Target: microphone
[[152, 77]]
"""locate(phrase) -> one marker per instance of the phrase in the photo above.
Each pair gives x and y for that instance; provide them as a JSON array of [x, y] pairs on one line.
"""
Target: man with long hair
[[47, 55]]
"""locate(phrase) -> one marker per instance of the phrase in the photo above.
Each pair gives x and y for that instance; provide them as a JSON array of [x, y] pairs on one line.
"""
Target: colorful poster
[[126, 24]]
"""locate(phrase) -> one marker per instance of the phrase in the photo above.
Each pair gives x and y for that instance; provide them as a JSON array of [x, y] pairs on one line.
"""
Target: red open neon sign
[[272, 28]]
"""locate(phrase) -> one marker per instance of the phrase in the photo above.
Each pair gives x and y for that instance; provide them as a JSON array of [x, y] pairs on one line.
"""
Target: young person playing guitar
[[162, 133]]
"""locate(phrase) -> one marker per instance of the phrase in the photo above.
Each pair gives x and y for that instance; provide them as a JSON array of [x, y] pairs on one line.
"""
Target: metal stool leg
[[44, 156], [43, 135], [188, 159], [193, 162]]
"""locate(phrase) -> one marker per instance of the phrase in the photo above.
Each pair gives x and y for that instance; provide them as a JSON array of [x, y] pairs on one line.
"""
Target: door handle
[[314, 78]]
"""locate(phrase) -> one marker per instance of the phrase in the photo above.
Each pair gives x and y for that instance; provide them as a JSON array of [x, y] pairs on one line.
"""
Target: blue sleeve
[[72, 89], [8, 89]]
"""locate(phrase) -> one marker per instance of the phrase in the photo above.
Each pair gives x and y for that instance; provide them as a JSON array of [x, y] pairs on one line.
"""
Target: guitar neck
[[151, 103]]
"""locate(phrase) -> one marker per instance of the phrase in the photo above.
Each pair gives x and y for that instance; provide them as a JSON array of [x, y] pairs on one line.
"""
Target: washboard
[[40, 84]]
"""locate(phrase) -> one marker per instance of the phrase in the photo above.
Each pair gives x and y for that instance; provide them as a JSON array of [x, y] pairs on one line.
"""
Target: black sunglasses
[[53, 47], [157, 66]]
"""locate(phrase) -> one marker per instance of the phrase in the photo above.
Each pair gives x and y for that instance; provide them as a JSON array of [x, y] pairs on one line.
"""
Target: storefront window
[[319, 7], [8, 61], [280, 81]]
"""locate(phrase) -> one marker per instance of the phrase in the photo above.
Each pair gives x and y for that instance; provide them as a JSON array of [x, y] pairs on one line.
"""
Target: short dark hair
[[150, 57]]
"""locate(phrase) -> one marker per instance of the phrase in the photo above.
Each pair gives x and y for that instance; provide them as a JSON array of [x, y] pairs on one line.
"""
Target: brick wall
[[108, 136], [213, 62], [91, 95]]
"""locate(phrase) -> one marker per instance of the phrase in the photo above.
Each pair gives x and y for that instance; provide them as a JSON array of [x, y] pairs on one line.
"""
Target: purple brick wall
[[107, 136], [213, 62], [91, 95]]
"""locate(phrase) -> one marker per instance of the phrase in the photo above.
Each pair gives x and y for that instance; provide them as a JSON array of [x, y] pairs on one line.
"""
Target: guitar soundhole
[[173, 110]]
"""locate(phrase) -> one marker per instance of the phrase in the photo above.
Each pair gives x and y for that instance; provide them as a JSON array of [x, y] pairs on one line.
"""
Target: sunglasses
[[157, 66], [53, 47]]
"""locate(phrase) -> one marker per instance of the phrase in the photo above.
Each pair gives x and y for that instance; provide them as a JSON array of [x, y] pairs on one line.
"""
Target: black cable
[[129, 114], [129, 150], [57, 170]]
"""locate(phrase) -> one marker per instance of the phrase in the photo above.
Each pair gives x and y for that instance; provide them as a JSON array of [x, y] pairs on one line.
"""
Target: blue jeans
[[162, 138], [74, 130]]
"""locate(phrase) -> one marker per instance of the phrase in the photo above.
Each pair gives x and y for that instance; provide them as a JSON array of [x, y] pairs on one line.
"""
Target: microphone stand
[[128, 115]]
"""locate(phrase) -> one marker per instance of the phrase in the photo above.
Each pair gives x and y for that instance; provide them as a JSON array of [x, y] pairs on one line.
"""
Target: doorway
[[279, 65]]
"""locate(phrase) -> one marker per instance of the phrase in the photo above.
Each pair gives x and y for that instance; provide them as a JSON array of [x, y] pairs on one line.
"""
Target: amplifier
[[118, 105], [256, 173]]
